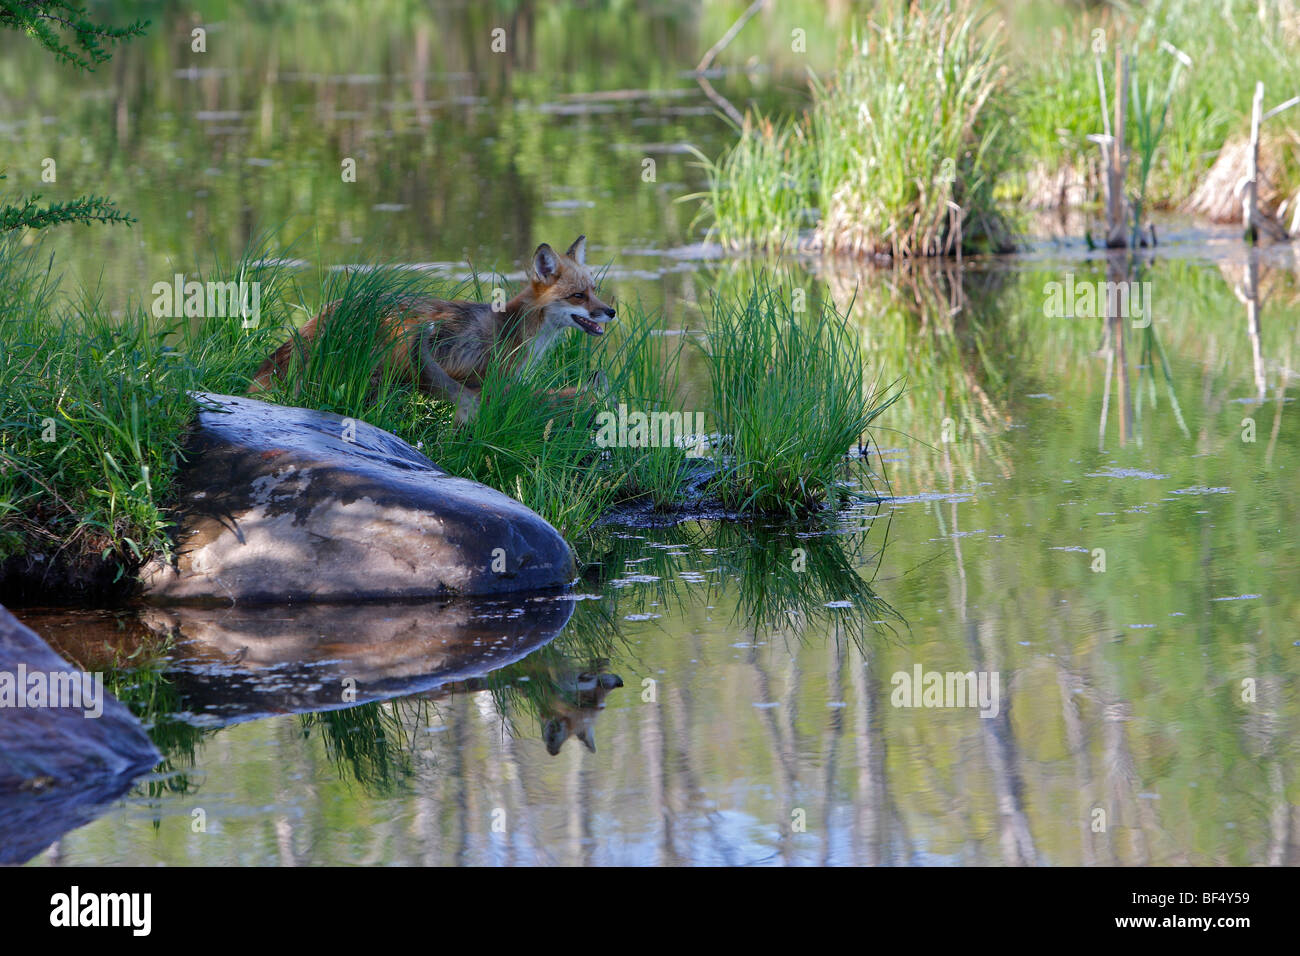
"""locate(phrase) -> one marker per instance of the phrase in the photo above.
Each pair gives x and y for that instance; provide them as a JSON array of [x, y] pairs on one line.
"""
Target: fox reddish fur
[[445, 346]]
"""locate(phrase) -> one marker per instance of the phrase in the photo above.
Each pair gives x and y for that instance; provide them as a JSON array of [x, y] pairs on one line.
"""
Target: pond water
[[1095, 517]]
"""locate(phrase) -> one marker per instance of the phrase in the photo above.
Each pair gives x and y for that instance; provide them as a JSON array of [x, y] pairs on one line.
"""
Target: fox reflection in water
[[572, 710]]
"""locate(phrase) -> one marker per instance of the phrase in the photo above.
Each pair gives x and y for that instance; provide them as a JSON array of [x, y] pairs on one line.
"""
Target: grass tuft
[[790, 399]]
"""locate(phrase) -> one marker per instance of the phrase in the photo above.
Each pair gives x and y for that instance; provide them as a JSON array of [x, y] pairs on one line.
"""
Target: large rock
[[57, 764], [285, 504]]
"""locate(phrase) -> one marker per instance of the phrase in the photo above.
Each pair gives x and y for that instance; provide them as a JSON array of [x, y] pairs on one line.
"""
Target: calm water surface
[[1101, 514]]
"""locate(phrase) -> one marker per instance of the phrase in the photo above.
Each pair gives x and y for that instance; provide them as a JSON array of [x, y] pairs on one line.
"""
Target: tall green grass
[[899, 155], [913, 136], [1150, 116], [790, 397], [1055, 103], [92, 411], [763, 192], [534, 448], [344, 371], [1231, 44], [930, 126]]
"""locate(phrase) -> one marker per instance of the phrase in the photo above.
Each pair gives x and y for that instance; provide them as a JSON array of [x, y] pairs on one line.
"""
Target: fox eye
[[579, 296]]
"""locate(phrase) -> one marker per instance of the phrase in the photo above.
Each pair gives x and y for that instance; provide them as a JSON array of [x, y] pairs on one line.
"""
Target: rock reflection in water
[[234, 664]]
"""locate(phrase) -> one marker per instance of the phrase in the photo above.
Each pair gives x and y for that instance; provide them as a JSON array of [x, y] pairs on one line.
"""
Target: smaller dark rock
[[57, 764]]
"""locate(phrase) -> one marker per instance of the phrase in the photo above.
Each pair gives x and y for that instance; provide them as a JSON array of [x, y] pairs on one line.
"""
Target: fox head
[[564, 291]]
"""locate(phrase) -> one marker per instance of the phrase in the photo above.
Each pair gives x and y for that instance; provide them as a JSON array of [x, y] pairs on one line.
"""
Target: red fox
[[445, 346]]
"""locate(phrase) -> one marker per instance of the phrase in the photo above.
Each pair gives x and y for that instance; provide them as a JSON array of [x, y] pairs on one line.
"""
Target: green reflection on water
[[1022, 445]]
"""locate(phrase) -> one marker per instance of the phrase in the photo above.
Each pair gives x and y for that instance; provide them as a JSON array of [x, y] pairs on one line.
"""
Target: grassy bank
[[94, 410], [898, 155], [1231, 46], [935, 126]]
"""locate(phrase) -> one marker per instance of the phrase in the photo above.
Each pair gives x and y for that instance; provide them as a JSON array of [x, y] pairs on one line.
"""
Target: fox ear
[[588, 737], [578, 251], [545, 263]]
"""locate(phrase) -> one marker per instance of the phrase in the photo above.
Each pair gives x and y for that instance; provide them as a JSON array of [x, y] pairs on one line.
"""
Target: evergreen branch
[[83, 209], [47, 21]]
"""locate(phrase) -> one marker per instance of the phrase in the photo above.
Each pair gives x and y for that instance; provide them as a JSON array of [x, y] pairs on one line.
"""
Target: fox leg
[[585, 400], [466, 407], [596, 387], [274, 367], [437, 383]]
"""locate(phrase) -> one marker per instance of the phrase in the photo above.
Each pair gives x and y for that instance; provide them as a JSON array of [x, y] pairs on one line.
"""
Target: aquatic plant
[[790, 397]]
